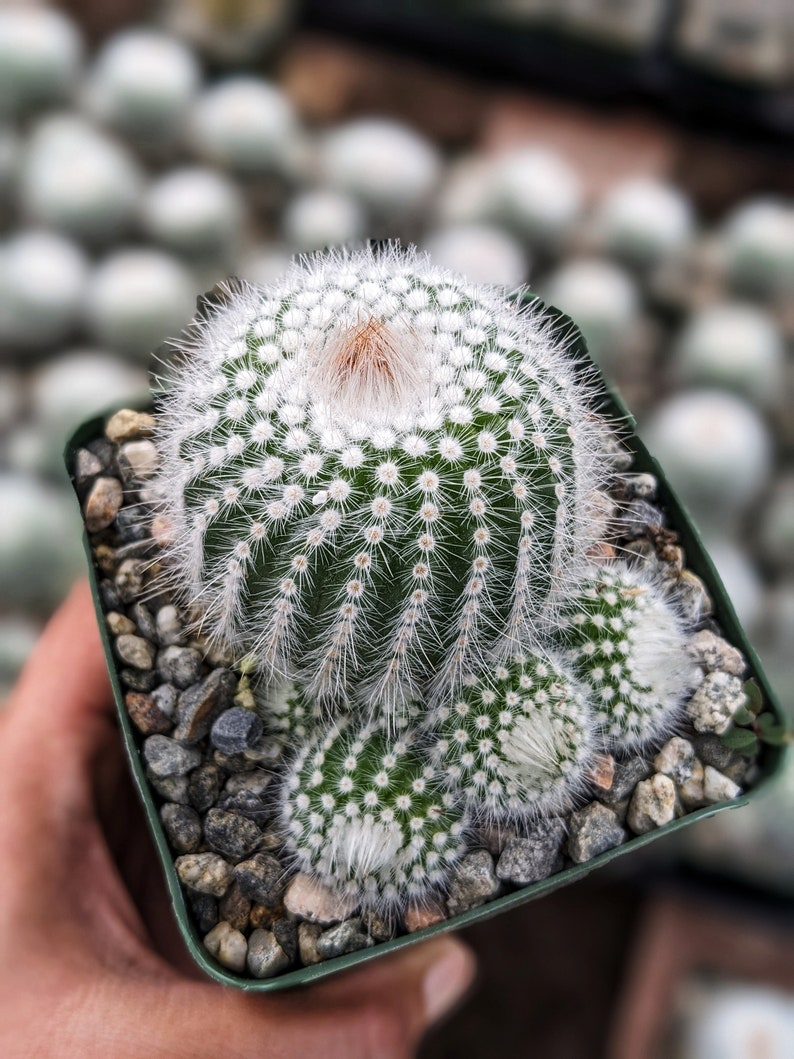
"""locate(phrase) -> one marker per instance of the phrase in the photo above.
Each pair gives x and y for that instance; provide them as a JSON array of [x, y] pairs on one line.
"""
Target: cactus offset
[[378, 475]]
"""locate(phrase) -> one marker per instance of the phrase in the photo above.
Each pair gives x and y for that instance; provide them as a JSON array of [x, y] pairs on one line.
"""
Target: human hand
[[90, 963]]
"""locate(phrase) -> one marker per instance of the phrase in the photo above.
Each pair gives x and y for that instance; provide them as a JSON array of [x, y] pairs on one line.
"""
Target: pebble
[[693, 598], [713, 705], [265, 955], [286, 931], [308, 935], [137, 461], [228, 946], [179, 665], [131, 524], [640, 485], [128, 425], [592, 830], [144, 619], [143, 680], [204, 786], [135, 651], [170, 630], [718, 787], [473, 882], [233, 762], [235, 908], [145, 714], [714, 653], [86, 467], [676, 759], [170, 788], [204, 909], [376, 926], [712, 751], [418, 917], [652, 805], [690, 792], [165, 697], [119, 624], [182, 825], [102, 504], [637, 517], [534, 857], [104, 452], [165, 757], [265, 916], [312, 900], [235, 730], [349, 936], [625, 778], [231, 834], [602, 771], [129, 579], [199, 704], [261, 878], [206, 872]]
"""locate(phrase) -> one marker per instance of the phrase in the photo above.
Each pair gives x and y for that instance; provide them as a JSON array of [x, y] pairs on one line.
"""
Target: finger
[[379, 1010]]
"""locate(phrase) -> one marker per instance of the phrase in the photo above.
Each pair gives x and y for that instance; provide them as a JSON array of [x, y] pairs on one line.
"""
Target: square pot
[[697, 560]]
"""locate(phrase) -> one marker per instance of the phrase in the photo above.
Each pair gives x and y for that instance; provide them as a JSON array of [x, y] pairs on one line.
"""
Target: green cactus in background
[[627, 643]]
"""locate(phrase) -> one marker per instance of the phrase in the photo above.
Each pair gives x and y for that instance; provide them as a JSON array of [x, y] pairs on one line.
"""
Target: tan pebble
[[601, 552], [266, 915], [602, 771], [652, 805], [228, 946], [102, 504], [127, 425], [310, 899], [418, 917], [691, 790], [308, 934], [120, 624]]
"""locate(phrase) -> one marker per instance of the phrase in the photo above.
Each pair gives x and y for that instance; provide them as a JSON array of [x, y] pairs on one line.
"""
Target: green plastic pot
[[697, 560]]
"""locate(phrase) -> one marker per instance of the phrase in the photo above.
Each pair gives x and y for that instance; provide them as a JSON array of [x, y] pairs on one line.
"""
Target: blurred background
[[628, 159]]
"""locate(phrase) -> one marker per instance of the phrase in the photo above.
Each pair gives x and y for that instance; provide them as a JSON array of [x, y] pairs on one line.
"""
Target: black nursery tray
[[697, 560]]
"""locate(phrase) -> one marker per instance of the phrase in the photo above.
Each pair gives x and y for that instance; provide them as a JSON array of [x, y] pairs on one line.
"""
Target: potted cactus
[[397, 631]]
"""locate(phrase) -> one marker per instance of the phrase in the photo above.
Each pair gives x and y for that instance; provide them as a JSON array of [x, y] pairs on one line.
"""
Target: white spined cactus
[[378, 475], [759, 246], [627, 643], [41, 53], [368, 816], [516, 740], [645, 221]]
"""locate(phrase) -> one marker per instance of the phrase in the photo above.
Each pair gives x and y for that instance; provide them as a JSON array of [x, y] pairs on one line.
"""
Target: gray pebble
[[261, 878], [712, 707], [637, 517], [233, 762], [138, 679], [135, 651], [204, 908], [713, 653], [170, 630], [235, 730], [527, 859], [265, 956], [204, 786], [286, 931], [228, 946], [102, 504], [165, 696], [104, 452], [626, 777], [144, 619], [165, 757], [473, 882], [640, 485], [676, 759], [376, 926], [712, 751], [111, 600], [137, 461], [206, 872], [348, 936], [199, 704], [129, 579], [235, 908], [231, 834], [653, 804], [308, 936], [145, 714], [131, 523], [170, 788], [182, 825], [86, 467], [179, 665], [593, 830], [135, 549]]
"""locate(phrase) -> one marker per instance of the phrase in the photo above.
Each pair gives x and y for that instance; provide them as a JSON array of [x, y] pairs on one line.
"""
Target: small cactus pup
[[377, 475], [365, 813], [516, 740], [627, 643]]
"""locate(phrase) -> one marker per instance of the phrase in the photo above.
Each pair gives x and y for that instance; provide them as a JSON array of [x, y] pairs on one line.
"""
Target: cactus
[[378, 476], [367, 815], [516, 741], [627, 643]]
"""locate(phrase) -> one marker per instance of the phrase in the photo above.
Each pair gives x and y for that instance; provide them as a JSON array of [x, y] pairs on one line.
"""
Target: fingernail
[[447, 981]]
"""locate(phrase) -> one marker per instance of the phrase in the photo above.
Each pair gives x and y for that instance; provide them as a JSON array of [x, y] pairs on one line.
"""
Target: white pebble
[[482, 253], [713, 705], [142, 83], [245, 123], [228, 946], [41, 53], [195, 211], [390, 167], [718, 788], [77, 178], [734, 346], [43, 279], [323, 218], [139, 298], [652, 805], [645, 220]]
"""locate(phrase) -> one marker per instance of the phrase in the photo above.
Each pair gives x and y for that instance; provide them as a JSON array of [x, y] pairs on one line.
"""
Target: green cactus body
[[627, 644], [378, 475], [367, 815], [516, 740]]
